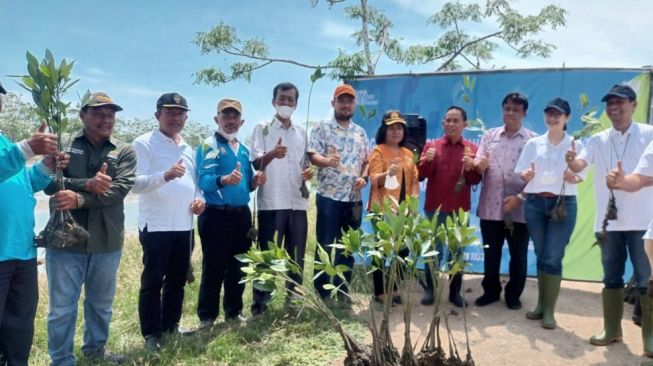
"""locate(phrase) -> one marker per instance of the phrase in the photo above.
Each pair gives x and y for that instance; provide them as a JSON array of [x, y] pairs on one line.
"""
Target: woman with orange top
[[392, 173]]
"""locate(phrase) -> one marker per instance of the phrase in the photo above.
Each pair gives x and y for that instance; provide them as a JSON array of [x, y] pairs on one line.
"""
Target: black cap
[[622, 91], [172, 100], [559, 105], [2, 90]]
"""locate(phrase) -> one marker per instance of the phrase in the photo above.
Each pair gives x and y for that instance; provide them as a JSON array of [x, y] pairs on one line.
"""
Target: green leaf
[[584, 100], [317, 75], [29, 82]]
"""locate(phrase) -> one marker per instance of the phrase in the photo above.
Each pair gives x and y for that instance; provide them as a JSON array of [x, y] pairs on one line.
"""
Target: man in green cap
[[100, 174]]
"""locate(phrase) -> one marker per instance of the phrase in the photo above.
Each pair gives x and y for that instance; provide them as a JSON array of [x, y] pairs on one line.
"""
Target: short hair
[[283, 87], [457, 108], [383, 129], [516, 98]]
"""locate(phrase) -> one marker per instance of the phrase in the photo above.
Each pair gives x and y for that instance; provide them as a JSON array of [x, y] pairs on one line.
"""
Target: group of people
[[528, 190]]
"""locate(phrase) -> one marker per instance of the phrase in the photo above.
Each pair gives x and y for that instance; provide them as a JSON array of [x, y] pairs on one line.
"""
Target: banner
[[480, 93]]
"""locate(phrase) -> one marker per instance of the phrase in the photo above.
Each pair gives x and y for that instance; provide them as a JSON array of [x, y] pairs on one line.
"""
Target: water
[[42, 215]]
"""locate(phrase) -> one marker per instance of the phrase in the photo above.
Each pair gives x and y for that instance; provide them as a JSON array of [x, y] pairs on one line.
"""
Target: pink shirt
[[500, 179]]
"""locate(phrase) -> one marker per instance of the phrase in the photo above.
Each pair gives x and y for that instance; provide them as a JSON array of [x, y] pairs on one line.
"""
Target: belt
[[237, 209], [545, 194]]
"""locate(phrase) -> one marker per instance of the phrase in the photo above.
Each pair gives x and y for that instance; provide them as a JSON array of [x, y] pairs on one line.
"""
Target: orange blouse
[[380, 160]]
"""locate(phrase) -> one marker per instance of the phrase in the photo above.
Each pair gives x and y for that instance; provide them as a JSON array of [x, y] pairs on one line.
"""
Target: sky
[[137, 50]]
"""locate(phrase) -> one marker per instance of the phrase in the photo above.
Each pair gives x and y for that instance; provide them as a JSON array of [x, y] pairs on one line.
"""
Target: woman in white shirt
[[550, 204]]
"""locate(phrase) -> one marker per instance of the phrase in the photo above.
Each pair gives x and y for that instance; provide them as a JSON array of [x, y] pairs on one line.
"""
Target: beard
[[342, 116]]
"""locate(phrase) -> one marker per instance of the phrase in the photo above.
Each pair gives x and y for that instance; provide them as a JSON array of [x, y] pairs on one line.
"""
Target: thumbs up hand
[[333, 157], [100, 183], [571, 152], [615, 177], [528, 174], [41, 142], [280, 150], [233, 178], [177, 170]]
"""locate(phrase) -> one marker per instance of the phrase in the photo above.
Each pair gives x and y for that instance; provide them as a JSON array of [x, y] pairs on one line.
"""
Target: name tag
[[75, 151]]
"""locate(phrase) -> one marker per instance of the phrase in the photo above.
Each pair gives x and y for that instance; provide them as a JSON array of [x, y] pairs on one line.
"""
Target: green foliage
[[277, 338], [452, 48], [47, 82], [455, 46]]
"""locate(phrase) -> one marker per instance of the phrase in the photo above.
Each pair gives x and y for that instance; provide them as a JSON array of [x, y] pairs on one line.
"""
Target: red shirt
[[444, 171]]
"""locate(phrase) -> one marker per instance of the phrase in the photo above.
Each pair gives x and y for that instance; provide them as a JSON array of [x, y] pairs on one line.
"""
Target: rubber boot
[[455, 285], [613, 310], [550, 291], [647, 324], [536, 314]]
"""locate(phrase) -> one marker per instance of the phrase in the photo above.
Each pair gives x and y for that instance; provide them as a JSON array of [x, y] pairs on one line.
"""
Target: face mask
[[284, 111], [229, 136]]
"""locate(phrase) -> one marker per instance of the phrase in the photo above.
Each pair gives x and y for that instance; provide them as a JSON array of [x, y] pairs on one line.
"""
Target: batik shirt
[[352, 146]]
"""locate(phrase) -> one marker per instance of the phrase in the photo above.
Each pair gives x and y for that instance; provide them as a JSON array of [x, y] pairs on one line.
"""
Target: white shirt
[[645, 163], [284, 176], [603, 150], [550, 165], [164, 206]]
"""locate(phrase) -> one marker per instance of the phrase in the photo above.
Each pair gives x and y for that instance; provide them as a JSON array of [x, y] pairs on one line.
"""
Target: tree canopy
[[453, 47]]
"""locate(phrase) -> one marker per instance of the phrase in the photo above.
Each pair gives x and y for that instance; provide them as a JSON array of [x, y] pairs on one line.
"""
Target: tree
[[453, 47], [19, 118]]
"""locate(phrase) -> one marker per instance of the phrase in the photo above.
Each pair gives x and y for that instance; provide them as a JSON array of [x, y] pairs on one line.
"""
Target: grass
[[277, 338]]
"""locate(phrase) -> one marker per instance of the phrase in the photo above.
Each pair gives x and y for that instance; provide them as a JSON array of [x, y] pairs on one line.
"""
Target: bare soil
[[499, 336]]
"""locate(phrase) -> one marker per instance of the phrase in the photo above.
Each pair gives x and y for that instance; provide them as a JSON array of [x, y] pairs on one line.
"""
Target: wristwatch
[[366, 179], [80, 200]]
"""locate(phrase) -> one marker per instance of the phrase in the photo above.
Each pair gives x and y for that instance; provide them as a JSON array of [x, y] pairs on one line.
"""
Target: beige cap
[[229, 103]]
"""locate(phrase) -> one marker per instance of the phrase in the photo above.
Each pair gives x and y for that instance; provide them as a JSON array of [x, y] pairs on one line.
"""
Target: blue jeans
[[550, 237], [67, 272], [613, 258], [332, 217]]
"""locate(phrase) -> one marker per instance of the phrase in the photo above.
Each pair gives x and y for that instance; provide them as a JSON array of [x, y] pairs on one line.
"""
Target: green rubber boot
[[550, 291], [647, 324], [613, 310], [536, 314]]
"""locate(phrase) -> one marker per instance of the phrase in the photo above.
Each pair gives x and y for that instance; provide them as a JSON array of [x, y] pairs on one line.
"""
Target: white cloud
[[335, 30], [424, 8], [96, 71]]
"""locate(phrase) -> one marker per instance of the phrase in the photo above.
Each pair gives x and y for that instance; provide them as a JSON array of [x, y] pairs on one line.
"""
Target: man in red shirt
[[448, 163]]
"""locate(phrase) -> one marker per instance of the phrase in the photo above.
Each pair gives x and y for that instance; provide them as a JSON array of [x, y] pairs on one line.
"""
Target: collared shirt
[[550, 165], [352, 145], [164, 206], [500, 179], [380, 160], [215, 159], [645, 163], [603, 150], [17, 187], [281, 190], [102, 215], [443, 172]]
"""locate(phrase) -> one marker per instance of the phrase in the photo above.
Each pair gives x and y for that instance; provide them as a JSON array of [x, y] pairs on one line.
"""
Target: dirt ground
[[499, 336]]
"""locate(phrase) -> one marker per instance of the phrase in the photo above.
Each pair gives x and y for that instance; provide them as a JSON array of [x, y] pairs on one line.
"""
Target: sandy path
[[499, 336]]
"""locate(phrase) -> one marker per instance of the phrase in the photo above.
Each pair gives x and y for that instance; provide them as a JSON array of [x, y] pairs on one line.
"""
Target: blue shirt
[[215, 159], [17, 187]]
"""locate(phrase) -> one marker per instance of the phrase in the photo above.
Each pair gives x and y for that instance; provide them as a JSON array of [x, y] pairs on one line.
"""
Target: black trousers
[[378, 278], [494, 234], [165, 262], [291, 227], [19, 297], [223, 233]]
